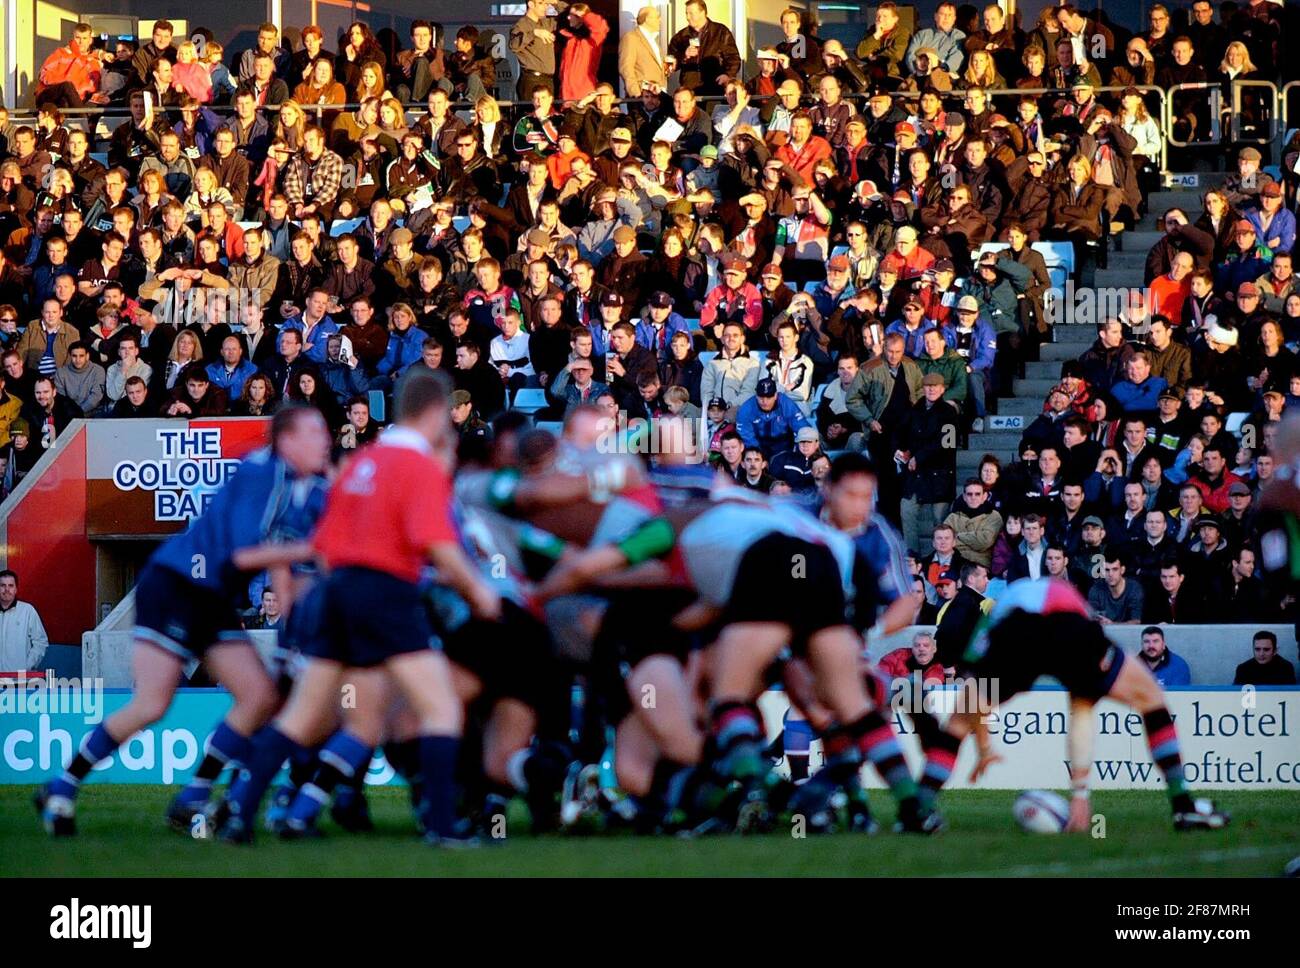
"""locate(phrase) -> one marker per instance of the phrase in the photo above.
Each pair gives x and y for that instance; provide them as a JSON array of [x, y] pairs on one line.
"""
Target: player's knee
[[635, 778]]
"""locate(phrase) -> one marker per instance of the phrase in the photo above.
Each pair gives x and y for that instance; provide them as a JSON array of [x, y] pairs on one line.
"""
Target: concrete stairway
[[1124, 270]]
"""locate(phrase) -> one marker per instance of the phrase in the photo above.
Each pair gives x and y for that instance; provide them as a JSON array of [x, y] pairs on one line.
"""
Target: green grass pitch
[[121, 833]]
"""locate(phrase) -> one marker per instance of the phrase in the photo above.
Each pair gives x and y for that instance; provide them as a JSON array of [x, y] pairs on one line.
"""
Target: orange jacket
[[69, 64]]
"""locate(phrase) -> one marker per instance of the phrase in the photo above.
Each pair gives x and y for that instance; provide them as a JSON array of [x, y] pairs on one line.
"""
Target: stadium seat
[[707, 356], [529, 400], [1234, 421], [341, 226], [246, 226], [761, 356], [792, 286], [460, 222], [555, 427], [693, 325], [378, 405], [818, 393]]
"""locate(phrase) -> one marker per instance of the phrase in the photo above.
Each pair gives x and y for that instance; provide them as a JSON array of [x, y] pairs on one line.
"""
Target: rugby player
[[1044, 627], [185, 605], [372, 614]]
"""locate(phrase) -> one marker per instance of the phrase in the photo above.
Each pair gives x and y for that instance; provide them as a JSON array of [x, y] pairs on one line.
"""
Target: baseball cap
[[621, 134], [625, 233], [19, 426], [807, 435], [611, 299], [768, 53], [839, 262], [1208, 521], [868, 189], [460, 397], [709, 151], [1248, 289], [717, 403], [1250, 154], [1244, 226], [1093, 521], [968, 302], [905, 127], [949, 576], [771, 271], [734, 262], [932, 380], [1272, 189], [913, 301], [401, 236], [1170, 393], [541, 237], [661, 300], [766, 387], [1238, 487], [944, 265], [953, 117]]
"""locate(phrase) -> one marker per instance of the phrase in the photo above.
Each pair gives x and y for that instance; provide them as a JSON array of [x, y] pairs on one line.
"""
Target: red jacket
[[805, 160], [68, 64], [1216, 498], [581, 57], [898, 665]]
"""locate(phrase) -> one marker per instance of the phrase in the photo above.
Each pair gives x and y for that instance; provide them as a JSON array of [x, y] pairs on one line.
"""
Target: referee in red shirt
[[388, 516]]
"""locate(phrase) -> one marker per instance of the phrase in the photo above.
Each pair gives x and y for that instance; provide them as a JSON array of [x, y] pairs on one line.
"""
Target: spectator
[[753, 474], [703, 52], [1167, 668], [640, 63], [80, 380], [129, 364], [1267, 668], [1116, 599], [44, 347], [48, 413], [975, 522], [922, 658], [22, 635], [135, 402], [1179, 602], [232, 370], [796, 467], [769, 420], [927, 459]]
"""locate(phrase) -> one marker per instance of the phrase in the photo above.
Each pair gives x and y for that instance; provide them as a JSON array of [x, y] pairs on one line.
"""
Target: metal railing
[[1236, 126], [1278, 114]]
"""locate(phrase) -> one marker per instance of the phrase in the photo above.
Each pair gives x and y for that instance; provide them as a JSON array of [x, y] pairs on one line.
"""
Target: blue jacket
[[403, 350], [232, 383], [1283, 228], [646, 336], [1139, 397], [772, 431], [983, 346], [1172, 670], [913, 342], [826, 301], [324, 328], [1236, 269]]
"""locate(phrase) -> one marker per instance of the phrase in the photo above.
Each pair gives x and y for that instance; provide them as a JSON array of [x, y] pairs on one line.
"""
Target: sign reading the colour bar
[[150, 478]]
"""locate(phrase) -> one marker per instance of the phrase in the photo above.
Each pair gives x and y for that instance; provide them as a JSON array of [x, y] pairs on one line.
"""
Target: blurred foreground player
[[373, 613], [186, 610]]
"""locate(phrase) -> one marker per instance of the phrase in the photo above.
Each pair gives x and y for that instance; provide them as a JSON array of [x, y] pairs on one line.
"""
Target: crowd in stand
[[793, 258]]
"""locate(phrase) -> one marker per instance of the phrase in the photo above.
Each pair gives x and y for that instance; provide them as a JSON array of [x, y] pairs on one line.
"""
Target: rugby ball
[[1042, 812]]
